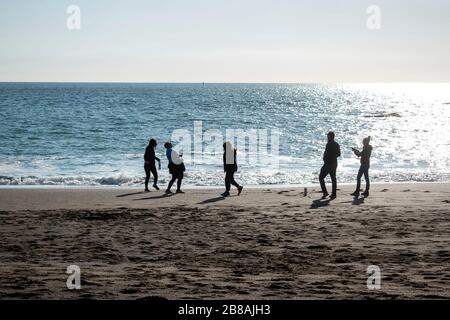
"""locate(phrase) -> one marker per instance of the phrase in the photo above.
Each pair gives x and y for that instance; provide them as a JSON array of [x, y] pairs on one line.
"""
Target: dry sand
[[268, 243]]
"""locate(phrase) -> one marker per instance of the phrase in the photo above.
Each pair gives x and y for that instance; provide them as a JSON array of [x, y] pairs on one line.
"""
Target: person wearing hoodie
[[230, 167]]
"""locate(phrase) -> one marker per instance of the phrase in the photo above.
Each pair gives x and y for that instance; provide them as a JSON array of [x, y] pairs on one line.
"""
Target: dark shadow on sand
[[129, 194], [320, 203], [212, 200], [356, 201], [155, 197]]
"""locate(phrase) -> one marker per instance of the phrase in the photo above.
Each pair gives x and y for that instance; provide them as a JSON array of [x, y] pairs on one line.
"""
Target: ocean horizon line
[[237, 83]]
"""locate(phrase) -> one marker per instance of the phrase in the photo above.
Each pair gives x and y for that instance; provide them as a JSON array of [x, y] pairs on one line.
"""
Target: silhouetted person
[[332, 152], [176, 168], [230, 167], [149, 166], [364, 168]]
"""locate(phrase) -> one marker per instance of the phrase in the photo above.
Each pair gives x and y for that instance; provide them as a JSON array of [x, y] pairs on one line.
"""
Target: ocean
[[95, 134]]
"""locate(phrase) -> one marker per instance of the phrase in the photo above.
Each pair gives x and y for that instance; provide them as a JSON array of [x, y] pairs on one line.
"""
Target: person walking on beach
[[230, 167], [176, 168], [332, 152], [364, 168], [149, 165]]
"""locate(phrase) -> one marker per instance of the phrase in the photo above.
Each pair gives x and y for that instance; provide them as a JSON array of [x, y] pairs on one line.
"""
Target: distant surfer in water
[[364, 168], [149, 164], [230, 167], [176, 168], [332, 152]]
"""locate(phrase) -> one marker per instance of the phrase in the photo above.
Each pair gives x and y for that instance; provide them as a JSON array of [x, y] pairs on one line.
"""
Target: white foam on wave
[[216, 178]]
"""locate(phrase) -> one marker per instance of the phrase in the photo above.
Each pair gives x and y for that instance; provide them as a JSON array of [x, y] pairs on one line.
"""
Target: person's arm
[[366, 152], [356, 152], [224, 162], [338, 151], [152, 155], [363, 152], [147, 155], [325, 153]]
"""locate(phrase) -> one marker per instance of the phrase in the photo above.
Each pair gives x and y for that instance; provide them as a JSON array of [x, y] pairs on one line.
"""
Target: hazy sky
[[225, 41]]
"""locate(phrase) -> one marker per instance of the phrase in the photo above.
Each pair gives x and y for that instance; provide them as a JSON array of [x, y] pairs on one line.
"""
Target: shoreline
[[193, 187], [75, 197]]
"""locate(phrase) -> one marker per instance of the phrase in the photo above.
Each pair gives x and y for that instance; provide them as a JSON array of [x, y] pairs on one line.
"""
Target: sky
[[225, 41]]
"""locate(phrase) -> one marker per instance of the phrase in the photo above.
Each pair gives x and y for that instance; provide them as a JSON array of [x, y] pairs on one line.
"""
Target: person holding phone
[[364, 168]]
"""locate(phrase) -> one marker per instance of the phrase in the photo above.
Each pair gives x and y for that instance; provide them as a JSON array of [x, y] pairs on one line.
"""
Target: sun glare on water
[[418, 91]]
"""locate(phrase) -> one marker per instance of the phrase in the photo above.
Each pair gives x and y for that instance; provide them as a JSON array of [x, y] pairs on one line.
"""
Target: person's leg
[[171, 182], [333, 181], [233, 182], [179, 181], [366, 177], [155, 176], [358, 179], [323, 174], [147, 176], [179, 184], [227, 184], [227, 181]]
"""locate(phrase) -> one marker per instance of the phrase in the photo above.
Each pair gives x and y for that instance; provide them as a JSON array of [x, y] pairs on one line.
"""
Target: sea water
[[96, 134]]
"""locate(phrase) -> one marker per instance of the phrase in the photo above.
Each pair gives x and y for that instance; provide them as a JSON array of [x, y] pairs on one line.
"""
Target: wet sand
[[268, 243]]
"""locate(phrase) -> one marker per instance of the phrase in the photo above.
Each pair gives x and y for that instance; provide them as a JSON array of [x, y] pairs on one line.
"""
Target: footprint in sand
[[384, 190]]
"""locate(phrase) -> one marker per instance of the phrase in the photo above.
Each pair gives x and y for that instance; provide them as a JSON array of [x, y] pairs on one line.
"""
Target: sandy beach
[[268, 243]]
